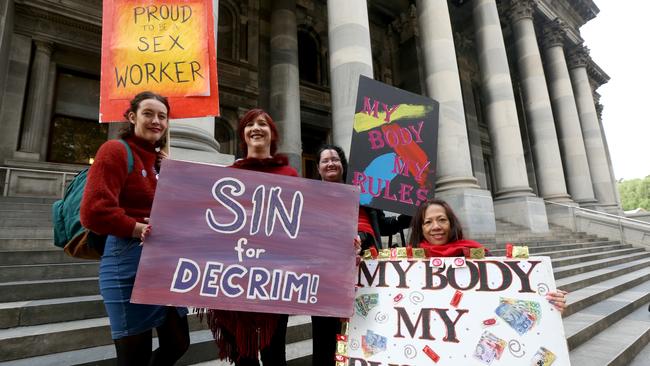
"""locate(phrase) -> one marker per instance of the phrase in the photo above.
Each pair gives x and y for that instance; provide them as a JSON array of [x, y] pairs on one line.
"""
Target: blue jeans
[[116, 277]]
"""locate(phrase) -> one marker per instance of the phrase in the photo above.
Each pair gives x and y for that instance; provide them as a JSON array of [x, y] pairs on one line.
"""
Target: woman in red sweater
[[436, 228], [118, 204], [241, 335]]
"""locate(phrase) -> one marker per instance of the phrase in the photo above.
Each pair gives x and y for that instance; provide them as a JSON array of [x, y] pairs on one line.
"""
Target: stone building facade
[[520, 119]]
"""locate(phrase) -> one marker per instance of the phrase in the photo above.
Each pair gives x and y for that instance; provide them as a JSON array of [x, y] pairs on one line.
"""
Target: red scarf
[[453, 249]]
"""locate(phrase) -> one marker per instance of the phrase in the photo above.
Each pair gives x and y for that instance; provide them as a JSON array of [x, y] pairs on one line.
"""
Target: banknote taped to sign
[[435, 312]]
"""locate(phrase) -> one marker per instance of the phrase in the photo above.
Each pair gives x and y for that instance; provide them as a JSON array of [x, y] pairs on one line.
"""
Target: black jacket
[[382, 226]]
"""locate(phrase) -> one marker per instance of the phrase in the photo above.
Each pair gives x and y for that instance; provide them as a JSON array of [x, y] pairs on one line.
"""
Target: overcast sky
[[619, 42]]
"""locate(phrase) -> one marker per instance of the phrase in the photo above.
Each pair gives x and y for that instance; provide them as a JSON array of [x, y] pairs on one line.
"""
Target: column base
[[526, 211], [27, 156], [474, 209], [192, 139], [295, 160], [180, 153], [562, 215]]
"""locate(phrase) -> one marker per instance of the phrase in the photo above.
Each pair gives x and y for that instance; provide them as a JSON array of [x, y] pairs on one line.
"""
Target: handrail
[[620, 220], [5, 191], [600, 213]]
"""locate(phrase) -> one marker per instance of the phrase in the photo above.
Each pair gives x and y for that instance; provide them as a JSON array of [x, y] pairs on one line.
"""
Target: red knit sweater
[[113, 200], [278, 164]]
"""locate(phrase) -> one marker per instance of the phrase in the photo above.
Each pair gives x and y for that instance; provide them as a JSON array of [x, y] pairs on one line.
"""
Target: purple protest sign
[[235, 239]]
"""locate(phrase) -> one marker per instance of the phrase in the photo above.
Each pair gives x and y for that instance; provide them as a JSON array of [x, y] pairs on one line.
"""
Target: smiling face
[[257, 135], [150, 120], [435, 225], [330, 167]]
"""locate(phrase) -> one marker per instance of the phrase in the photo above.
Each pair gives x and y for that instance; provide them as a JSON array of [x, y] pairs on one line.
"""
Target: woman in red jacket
[[371, 225], [436, 228], [241, 335], [117, 203]]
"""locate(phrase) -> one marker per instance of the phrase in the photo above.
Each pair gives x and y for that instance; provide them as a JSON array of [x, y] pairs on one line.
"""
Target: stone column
[[456, 183], [37, 99], [285, 79], [350, 56], [537, 105], [596, 153], [6, 32], [514, 201], [566, 116], [193, 139]]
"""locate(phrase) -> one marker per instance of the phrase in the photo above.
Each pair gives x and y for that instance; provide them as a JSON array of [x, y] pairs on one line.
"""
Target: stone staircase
[[51, 313], [607, 320]]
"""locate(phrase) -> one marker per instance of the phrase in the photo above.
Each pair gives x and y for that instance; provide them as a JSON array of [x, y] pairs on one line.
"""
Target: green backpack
[[68, 232]]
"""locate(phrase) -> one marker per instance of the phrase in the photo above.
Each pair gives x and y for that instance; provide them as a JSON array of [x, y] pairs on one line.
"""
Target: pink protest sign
[[234, 239]]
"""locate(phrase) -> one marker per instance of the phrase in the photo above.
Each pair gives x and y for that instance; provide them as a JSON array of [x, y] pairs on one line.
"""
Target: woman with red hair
[[241, 335]]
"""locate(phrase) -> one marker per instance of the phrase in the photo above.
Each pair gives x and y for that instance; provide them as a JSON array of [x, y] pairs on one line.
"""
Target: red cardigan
[[113, 200]]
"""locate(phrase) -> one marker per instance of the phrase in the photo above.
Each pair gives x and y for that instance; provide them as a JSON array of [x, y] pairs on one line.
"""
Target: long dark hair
[[250, 116], [455, 229], [344, 161], [134, 105]]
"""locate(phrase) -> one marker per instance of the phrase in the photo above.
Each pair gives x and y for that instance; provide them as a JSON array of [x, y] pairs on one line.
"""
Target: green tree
[[635, 193]]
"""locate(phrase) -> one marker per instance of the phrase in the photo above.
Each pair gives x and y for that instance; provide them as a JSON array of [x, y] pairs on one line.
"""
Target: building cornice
[[84, 11], [596, 73], [39, 23]]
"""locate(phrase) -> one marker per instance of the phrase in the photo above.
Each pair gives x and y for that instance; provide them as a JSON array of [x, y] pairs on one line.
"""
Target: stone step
[[35, 272], [4, 200], [52, 255], [44, 340], [516, 239], [26, 232], [12, 214], [642, 358], [26, 206], [582, 258], [52, 310], [583, 280], [618, 344], [46, 289], [580, 299], [573, 269], [557, 251], [9, 223], [27, 244], [554, 241], [583, 325]]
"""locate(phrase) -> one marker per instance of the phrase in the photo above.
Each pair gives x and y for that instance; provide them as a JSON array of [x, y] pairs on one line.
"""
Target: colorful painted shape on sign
[[159, 46], [394, 147]]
